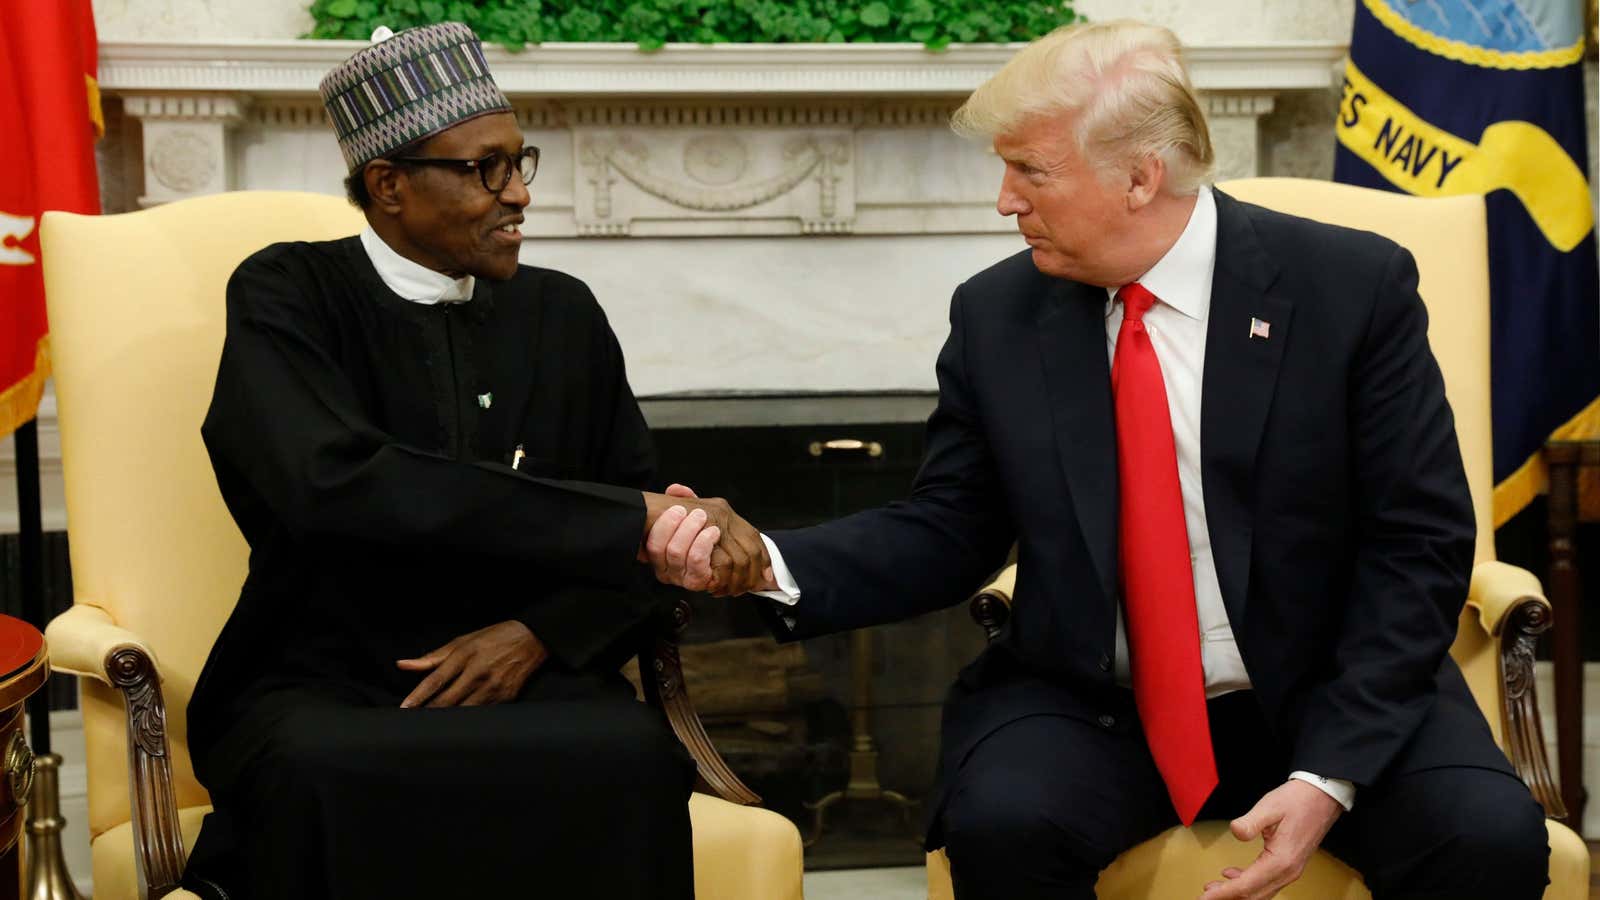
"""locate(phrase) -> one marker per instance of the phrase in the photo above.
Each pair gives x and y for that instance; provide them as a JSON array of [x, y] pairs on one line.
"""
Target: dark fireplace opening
[[855, 717]]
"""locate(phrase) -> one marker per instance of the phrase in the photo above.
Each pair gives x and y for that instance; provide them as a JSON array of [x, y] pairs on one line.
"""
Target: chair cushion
[[740, 853], [1569, 864], [112, 854], [1179, 862], [743, 852]]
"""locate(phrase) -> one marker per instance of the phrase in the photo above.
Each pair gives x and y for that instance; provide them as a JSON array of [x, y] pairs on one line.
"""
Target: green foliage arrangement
[[652, 23]]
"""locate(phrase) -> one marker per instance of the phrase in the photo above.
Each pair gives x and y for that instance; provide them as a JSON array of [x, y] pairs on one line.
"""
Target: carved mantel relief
[[186, 150], [689, 140], [183, 160], [716, 181]]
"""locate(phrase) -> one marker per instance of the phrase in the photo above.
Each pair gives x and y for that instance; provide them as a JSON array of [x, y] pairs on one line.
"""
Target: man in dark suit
[[1220, 441]]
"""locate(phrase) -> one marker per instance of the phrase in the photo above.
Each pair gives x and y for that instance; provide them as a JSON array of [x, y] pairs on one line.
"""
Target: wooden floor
[[1594, 870]]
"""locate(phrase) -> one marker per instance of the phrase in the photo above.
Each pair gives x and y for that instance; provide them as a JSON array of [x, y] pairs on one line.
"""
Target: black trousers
[[335, 793], [1043, 804]]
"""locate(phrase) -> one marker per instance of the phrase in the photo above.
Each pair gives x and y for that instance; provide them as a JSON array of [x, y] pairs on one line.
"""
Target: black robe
[[363, 444]]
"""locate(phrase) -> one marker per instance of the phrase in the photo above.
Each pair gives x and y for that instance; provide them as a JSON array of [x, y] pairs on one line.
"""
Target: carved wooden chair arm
[[1512, 609], [85, 641], [991, 605], [661, 675]]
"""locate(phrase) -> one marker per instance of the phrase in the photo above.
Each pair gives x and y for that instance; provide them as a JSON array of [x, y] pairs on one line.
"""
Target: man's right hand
[[702, 544]]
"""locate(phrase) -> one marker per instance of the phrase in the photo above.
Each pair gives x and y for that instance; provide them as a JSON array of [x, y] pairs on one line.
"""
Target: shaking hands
[[703, 545]]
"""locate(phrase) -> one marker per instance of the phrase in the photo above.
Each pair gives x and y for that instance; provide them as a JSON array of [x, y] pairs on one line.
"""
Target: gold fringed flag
[[1486, 97], [49, 119]]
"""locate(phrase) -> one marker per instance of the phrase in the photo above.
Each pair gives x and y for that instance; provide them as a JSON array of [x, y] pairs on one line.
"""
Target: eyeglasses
[[493, 170]]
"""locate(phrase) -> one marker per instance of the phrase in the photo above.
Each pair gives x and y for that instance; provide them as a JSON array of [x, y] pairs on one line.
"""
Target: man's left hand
[[1291, 820], [489, 665]]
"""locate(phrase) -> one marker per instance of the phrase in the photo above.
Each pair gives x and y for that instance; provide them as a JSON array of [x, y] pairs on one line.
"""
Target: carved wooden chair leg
[[661, 674]]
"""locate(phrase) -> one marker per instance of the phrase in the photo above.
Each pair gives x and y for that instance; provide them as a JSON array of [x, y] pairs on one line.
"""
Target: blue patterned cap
[[408, 87]]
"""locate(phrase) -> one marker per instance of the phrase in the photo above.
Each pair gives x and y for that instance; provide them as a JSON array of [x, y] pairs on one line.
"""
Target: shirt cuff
[[788, 592], [1337, 788]]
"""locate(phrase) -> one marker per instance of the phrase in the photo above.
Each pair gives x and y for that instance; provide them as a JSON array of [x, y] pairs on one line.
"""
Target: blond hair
[[1127, 85]]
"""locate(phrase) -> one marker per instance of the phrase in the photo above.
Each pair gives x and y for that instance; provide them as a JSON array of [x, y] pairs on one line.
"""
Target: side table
[[24, 665], [1565, 460]]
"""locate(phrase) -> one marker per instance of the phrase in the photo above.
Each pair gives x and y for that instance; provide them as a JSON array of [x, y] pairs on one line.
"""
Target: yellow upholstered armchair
[[1505, 607], [137, 317]]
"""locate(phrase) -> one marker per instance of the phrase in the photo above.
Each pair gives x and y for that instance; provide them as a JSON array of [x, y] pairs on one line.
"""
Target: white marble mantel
[[811, 194], [266, 67], [223, 115]]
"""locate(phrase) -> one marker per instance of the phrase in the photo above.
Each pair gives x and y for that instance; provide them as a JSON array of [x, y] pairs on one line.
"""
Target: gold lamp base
[[863, 783], [47, 868]]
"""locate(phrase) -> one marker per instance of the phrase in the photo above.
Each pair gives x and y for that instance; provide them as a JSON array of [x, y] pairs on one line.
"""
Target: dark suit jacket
[[1335, 497]]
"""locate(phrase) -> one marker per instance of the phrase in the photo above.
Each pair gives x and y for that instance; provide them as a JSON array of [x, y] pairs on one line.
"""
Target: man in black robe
[[436, 459]]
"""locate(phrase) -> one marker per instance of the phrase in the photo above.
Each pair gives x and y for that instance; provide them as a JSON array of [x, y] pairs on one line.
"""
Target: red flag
[[49, 119]]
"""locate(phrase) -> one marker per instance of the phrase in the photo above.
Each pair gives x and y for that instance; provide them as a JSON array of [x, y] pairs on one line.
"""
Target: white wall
[[176, 20], [1233, 21]]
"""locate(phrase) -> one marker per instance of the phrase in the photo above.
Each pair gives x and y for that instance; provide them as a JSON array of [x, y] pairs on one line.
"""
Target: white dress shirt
[[411, 280], [1181, 282]]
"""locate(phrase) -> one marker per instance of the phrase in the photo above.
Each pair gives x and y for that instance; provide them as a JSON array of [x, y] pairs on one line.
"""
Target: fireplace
[[789, 718]]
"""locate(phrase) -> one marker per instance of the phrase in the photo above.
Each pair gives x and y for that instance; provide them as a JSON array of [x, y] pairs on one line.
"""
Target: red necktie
[[1157, 576]]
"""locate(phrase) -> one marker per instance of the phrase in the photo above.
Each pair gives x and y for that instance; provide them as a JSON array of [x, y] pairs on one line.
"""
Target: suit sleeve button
[[1105, 662], [1108, 720]]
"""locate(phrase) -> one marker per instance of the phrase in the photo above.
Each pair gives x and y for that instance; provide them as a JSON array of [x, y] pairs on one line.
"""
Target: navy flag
[[1486, 97]]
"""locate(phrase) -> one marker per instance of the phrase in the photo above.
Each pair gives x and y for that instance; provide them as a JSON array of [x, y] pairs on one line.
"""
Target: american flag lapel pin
[[1260, 328]]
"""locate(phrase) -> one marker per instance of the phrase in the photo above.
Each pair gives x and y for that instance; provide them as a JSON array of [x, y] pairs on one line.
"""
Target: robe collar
[[413, 281]]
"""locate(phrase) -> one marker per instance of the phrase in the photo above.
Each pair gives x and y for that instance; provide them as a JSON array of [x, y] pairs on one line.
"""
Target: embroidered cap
[[408, 87]]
